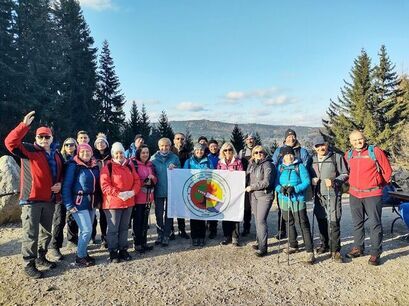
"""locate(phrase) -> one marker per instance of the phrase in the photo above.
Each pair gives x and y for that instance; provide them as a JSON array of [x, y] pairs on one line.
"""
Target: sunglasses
[[259, 152], [228, 150], [43, 137], [70, 145]]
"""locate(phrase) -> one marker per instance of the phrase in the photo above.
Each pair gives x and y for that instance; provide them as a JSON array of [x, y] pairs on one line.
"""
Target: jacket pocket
[[78, 199]]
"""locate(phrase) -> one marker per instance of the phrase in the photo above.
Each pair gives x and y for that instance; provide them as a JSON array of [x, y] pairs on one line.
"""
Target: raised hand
[[28, 119]]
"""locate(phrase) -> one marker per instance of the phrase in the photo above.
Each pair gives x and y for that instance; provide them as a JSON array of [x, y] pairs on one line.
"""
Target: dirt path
[[213, 275]]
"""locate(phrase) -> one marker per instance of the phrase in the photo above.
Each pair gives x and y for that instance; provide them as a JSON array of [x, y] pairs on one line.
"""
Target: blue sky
[[272, 62]]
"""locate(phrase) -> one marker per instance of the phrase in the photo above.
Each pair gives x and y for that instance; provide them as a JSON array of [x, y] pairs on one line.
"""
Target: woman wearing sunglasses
[[260, 185], [229, 161]]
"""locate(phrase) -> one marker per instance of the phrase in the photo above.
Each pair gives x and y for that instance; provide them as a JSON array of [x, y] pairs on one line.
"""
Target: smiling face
[[144, 154], [288, 159], [213, 148], [82, 138], [164, 146], [357, 140], [290, 140], [199, 153], [101, 145], [250, 142], [179, 140], [118, 156], [44, 141], [321, 149], [69, 148], [85, 155]]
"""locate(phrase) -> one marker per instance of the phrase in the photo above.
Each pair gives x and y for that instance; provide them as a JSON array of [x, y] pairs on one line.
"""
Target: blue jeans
[[84, 219]]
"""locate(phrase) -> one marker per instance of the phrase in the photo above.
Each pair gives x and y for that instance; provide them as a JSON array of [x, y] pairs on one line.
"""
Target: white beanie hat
[[117, 147], [101, 137]]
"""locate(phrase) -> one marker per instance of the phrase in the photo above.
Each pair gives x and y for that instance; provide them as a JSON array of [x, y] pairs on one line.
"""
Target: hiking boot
[[291, 250], [280, 235], [245, 232], [236, 242], [309, 258], [139, 249], [83, 262], [165, 241], [184, 235], [322, 249], [158, 240], [337, 257], [124, 255], [171, 236], [113, 257], [32, 271], [260, 253], [104, 242], [374, 260], [202, 242], [225, 242], [44, 262], [90, 259], [255, 246], [195, 242], [354, 253], [212, 235], [147, 248], [56, 254]]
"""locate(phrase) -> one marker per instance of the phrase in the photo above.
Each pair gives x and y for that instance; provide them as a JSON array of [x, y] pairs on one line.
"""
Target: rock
[[402, 179], [10, 211]]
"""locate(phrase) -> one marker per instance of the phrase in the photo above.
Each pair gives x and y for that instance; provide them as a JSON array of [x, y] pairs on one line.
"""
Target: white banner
[[206, 194]]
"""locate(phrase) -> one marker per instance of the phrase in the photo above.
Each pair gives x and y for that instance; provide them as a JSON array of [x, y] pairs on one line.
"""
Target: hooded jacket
[[144, 170], [235, 164], [81, 188]]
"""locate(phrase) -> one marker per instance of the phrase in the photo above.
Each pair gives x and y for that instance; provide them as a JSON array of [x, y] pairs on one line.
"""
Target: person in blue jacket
[[135, 146], [163, 160], [301, 154], [198, 161], [80, 192], [291, 182]]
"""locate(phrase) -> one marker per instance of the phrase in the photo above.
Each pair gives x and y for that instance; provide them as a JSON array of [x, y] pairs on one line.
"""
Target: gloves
[[283, 190], [123, 195], [131, 194], [290, 190]]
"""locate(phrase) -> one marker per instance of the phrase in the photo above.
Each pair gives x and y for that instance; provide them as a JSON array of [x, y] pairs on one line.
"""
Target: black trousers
[[72, 229], [231, 229], [212, 226], [102, 225], [247, 212], [139, 224], [57, 234], [181, 225], [197, 229], [300, 217]]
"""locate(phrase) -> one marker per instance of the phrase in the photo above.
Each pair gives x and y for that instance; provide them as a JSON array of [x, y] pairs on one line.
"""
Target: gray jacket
[[261, 177], [333, 167]]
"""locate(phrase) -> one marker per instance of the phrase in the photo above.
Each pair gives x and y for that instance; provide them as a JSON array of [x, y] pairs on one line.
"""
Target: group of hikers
[[66, 186]]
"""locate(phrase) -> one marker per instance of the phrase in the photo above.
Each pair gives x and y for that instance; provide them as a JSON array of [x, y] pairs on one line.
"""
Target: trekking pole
[[288, 228], [147, 214], [279, 236], [313, 214], [329, 217]]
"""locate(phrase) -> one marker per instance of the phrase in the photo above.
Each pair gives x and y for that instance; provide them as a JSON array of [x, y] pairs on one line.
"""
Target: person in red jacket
[[40, 185], [367, 177], [119, 183]]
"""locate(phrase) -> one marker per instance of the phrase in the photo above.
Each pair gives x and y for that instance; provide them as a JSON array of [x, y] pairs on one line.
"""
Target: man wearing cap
[[135, 146], [40, 185], [329, 172], [245, 155], [301, 154], [369, 172]]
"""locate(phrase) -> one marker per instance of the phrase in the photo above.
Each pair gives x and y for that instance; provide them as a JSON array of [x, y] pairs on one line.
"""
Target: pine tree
[[145, 126], [388, 106], [163, 127], [78, 108], [109, 98], [257, 139], [132, 126], [189, 141], [274, 146], [237, 138], [355, 108]]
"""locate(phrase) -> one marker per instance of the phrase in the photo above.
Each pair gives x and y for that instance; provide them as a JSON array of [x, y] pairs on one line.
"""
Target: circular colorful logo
[[206, 194]]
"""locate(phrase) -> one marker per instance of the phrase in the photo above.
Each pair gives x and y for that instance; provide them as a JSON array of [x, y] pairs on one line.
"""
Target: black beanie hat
[[290, 132], [287, 150]]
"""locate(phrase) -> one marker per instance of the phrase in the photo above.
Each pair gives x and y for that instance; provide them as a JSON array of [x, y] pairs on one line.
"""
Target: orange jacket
[[122, 178]]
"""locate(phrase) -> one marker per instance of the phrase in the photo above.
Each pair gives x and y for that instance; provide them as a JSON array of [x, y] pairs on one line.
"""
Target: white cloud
[[279, 100], [235, 95], [98, 5], [190, 106]]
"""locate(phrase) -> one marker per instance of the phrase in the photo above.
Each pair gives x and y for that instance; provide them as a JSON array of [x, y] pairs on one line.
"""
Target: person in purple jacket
[[229, 161]]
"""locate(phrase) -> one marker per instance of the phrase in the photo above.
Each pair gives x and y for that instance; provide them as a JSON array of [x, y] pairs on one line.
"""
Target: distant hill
[[222, 130]]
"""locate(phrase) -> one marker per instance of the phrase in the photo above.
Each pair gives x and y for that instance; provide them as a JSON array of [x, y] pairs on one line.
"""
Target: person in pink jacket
[[143, 198], [119, 183], [229, 161]]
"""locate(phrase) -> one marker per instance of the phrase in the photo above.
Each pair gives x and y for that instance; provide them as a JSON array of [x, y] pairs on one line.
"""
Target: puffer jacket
[[122, 178], [161, 164], [80, 187], [287, 175], [260, 177], [144, 170], [194, 163], [235, 164], [131, 152]]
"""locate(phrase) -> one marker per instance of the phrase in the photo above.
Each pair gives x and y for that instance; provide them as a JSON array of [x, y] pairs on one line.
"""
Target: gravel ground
[[213, 275]]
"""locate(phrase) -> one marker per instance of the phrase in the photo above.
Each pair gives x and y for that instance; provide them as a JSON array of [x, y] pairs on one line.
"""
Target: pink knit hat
[[84, 146]]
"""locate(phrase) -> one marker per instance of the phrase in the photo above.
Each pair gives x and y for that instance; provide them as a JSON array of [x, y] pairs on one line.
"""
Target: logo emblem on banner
[[206, 194]]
